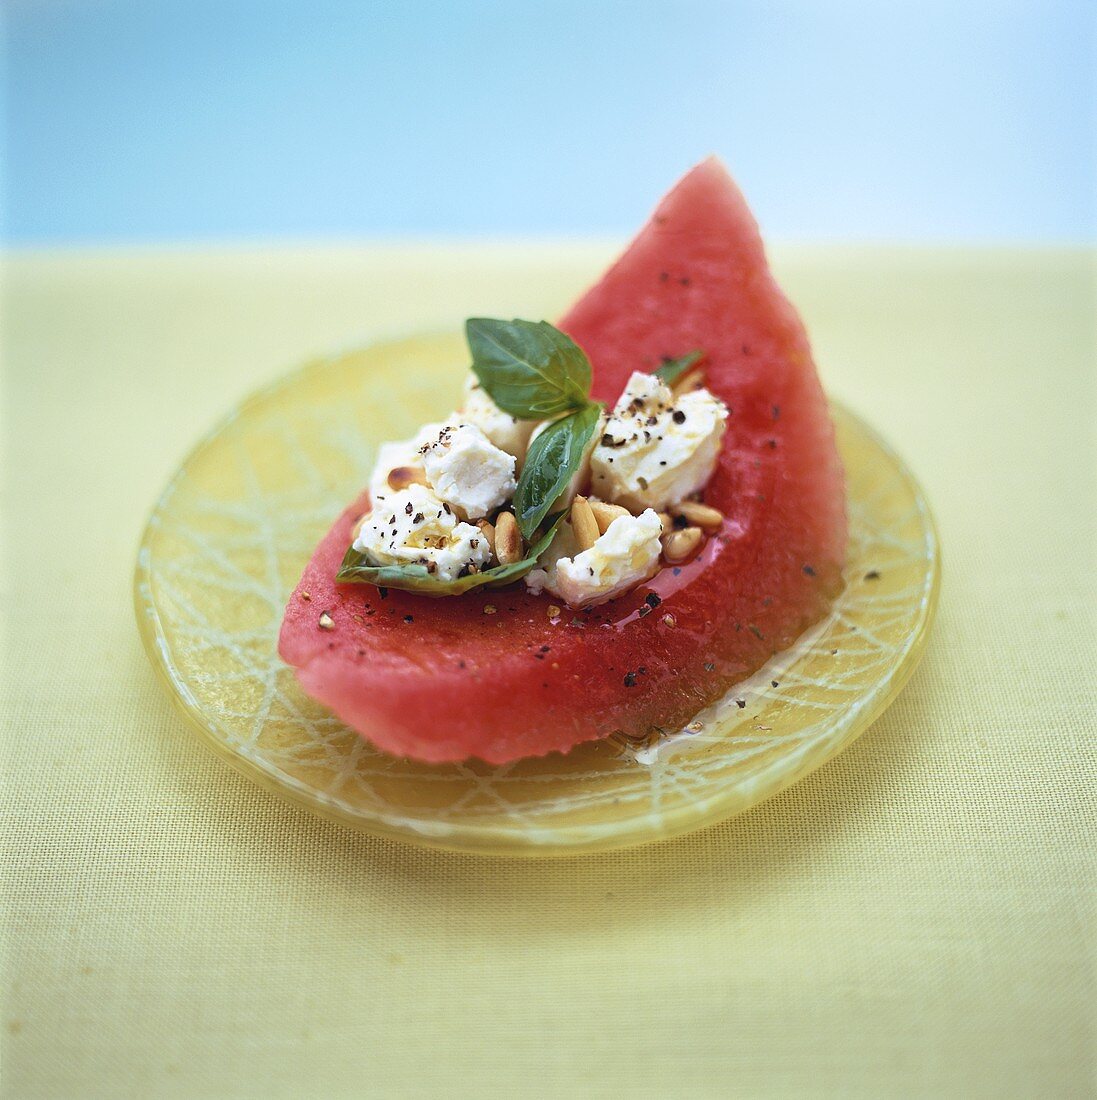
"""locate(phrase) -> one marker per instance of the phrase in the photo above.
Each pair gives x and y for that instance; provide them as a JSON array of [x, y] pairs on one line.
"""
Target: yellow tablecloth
[[916, 919]]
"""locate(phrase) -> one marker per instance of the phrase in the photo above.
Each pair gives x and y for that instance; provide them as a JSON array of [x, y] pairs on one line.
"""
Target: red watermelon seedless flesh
[[444, 679]]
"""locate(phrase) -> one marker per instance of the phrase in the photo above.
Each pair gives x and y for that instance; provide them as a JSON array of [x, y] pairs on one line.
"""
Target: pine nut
[[508, 539], [692, 380], [605, 514], [683, 544], [583, 523], [667, 522], [488, 532], [698, 514], [403, 476]]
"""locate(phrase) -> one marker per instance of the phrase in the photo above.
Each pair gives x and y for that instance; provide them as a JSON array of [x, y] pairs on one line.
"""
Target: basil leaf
[[529, 369], [551, 462], [356, 569], [673, 369]]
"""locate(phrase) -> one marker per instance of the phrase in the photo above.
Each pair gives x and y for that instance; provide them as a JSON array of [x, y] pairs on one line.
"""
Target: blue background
[[164, 121]]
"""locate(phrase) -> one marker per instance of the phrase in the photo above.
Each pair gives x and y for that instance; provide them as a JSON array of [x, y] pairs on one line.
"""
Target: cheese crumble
[[656, 450], [414, 526]]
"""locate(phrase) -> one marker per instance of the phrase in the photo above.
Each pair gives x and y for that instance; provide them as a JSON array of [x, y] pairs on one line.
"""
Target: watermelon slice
[[495, 674]]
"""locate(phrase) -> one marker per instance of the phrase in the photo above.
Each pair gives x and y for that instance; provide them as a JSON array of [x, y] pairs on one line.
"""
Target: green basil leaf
[[356, 569], [529, 369], [673, 369], [551, 462]]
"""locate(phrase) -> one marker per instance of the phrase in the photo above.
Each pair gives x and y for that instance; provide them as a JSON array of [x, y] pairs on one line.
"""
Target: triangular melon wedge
[[455, 682]]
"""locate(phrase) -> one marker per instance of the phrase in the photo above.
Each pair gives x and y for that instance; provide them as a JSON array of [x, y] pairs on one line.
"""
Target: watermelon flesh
[[492, 674]]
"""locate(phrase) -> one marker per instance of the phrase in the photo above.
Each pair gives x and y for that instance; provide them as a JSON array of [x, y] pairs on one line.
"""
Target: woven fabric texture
[[915, 919]]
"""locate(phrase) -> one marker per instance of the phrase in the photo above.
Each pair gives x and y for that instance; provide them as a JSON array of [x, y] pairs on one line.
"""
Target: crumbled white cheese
[[580, 480], [392, 456], [414, 526], [656, 450], [625, 555], [468, 471], [506, 432]]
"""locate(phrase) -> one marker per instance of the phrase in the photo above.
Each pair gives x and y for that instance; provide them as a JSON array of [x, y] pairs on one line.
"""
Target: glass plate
[[229, 537]]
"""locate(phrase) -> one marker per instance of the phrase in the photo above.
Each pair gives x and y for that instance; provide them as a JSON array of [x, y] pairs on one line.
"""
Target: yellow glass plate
[[227, 542]]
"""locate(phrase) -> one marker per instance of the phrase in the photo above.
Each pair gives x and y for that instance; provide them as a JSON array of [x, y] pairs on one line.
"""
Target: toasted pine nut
[[667, 522], [692, 380], [701, 515], [488, 532], [403, 476], [356, 530], [605, 514], [680, 545], [508, 539], [583, 523]]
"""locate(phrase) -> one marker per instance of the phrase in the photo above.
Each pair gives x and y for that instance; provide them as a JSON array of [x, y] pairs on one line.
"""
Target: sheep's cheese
[[655, 450], [468, 471], [414, 526], [625, 555]]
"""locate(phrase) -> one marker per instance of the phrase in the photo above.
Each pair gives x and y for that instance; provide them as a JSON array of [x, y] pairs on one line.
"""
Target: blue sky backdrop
[[156, 120]]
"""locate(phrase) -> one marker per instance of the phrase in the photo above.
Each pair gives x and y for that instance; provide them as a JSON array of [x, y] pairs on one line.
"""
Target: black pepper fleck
[[409, 619], [809, 571], [652, 600], [872, 575], [630, 679]]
